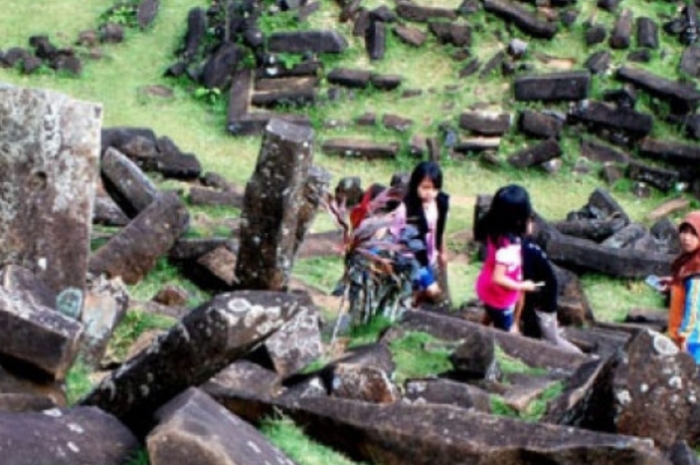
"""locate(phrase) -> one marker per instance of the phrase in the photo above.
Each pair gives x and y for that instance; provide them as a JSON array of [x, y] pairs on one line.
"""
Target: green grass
[[534, 411], [508, 364], [283, 433], [78, 382], [320, 272], [134, 324], [415, 358], [139, 458], [165, 273]]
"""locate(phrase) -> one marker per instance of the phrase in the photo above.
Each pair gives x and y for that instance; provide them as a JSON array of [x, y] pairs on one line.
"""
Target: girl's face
[[689, 239], [426, 190]]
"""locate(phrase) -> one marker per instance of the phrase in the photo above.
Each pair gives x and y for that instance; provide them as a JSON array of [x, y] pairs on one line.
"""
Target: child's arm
[[503, 280]]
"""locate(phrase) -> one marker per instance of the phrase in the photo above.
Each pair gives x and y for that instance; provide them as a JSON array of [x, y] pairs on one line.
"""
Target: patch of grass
[[500, 408], [415, 358], [78, 382], [166, 273], [134, 324], [320, 272], [538, 407], [140, 458], [611, 299], [508, 364], [369, 333], [290, 438]]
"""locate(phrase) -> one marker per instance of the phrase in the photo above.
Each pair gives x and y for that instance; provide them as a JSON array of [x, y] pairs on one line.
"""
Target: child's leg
[[501, 318], [550, 332]]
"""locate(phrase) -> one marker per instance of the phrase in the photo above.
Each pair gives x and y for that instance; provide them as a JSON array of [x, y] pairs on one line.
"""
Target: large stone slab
[[605, 116], [206, 340], [624, 263], [400, 433], [195, 426], [572, 85], [82, 435], [526, 21], [683, 96], [536, 154], [133, 252], [307, 41], [49, 152], [130, 188], [271, 206], [358, 148], [410, 11], [40, 338]]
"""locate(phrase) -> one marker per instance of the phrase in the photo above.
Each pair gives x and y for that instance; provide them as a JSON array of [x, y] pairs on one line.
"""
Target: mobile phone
[[655, 282]]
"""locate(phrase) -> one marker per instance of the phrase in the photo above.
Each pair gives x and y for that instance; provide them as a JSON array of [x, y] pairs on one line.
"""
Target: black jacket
[[416, 217], [537, 268]]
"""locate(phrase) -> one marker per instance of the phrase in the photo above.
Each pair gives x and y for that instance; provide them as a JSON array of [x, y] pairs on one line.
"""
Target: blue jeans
[[502, 318]]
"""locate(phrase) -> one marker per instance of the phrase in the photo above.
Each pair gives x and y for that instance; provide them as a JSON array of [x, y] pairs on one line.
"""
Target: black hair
[[424, 169], [507, 217]]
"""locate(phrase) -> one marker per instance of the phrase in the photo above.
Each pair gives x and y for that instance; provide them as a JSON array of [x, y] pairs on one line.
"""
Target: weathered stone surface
[[196, 30], [647, 33], [146, 12], [522, 18], [457, 34], [536, 154], [206, 340], [297, 343], [603, 205], [271, 205], [133, 251], [357, 148], [256, 122], [593, 229], [421, 14], [690, 61], [217, 269], [625, 237], [349, 77], [130, 188], [573, 307], [239, 95], [486, 124], [650, 391], [662, 179], [219, 67], [104, 306], [684, 156], [39, 337], [410, 35], [375, 40], [316, 188], [621, 35], [601, 153], [386, 81], [106, 212], [205, 196], [595, 34], [477, 144], [448, 392], [171, 162], [195, 426], [475, 357], [364, 383], [307, 41], [532, 352], [606, 116], [396, 122], [18, 393], [65, 437], [539, 124], [681, 454], [20, 281], [624, 263], [682, 96], [139, 144], [571, 85], [598, 62], [390, 434], [49, 149]]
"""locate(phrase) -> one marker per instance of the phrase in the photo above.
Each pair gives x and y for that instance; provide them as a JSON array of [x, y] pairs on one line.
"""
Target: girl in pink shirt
[[500, 281]]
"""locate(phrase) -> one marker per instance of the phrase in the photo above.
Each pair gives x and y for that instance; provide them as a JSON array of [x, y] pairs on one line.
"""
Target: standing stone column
[[49, 153], [315, 188], [272, 203]]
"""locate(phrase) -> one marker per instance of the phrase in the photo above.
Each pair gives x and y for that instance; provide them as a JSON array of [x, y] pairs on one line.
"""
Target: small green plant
[[509, 364], [139, 458], [123, 13], [207, 95], [78, 382]]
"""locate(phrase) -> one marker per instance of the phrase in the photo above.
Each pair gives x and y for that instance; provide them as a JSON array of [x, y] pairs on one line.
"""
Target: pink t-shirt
[[490, 293]]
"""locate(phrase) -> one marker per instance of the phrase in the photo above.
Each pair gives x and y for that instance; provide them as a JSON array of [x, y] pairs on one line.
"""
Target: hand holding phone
[[657, 283]]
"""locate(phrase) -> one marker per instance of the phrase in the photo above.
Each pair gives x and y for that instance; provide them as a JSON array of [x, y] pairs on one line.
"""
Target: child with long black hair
[[500, 282], [425, 207]]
